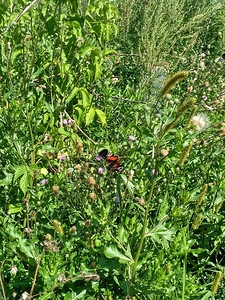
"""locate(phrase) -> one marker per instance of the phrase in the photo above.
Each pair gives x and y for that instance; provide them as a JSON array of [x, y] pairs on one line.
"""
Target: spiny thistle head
[[170, 83]]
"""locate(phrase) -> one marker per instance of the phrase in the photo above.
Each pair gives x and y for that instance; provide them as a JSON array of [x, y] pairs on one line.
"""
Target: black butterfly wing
[[103, 153]]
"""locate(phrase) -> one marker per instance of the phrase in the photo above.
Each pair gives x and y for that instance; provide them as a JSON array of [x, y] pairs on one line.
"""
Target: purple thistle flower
[[70, 121], [101, 170], [98, 157], [44, 181], [80, 40], [117, 199], [63, 157], [204, 98], [131, 138], [65, 122]]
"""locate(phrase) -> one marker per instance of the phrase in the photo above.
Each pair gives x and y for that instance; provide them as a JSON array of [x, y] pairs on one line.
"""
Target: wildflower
[[63, 157], [98, 157], [117, 199], [44, 171], [164, 152], [101, 170], [92, 196], [73, 230], [80, 40], [44, 181], [87, 223], [48, 236], [24, 296], [56, 190], [91, 180], [78, 167], [65, 122], [140, 200], [70, 121], [47, 137], [85, 167], [195, 79], [13, 270], [131, 174], [200, 121], [131, 138]]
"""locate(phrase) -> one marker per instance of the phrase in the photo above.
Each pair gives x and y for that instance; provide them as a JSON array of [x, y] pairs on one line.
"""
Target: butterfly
[[113, 161]]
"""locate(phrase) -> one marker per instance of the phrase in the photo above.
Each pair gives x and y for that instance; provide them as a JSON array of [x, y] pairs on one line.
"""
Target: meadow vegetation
[[144, 80]]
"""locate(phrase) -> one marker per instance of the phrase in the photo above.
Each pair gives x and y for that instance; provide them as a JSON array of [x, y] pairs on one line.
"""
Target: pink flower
[[117, 199], [63, 157], [98, 157], [101, 170], [44, 181], [131, 138], [65, 122]]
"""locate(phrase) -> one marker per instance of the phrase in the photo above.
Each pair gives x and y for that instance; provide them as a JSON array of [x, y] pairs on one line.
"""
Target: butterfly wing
[[103, 153]]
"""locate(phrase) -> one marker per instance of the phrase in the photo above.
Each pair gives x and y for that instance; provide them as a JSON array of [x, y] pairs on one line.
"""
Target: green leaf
[[101, 116], [112, 252], [73, 94], [46, 296], [7, 180], [62, 131], [90, 115], [24, 183], [13, 209], [19, 172], [98, 70], [128, 183]]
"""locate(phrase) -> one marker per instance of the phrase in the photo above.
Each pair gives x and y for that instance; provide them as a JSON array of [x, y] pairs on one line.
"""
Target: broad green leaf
[[19, 172], [24, 183], [62, 131], [112, 252], [7, 180], [98, 70], [73, 94], [101, 116], [90, 115], [13, 209]]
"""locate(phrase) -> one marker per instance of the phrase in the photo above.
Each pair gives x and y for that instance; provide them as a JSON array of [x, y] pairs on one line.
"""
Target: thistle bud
[[56, 190]]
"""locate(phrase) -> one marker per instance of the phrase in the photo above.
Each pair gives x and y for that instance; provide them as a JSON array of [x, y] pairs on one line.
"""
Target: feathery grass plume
[[186, 105], [191, 115], [216, 282], [185, 153], [170, 83], [58, 227], [201, 196], [218, 207], [197, 221]]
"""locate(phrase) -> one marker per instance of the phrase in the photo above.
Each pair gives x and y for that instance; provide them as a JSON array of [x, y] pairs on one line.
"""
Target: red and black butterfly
[[113, 161]]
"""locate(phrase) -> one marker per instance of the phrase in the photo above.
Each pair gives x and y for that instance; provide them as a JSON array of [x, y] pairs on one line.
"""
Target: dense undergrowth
[[144, 80]]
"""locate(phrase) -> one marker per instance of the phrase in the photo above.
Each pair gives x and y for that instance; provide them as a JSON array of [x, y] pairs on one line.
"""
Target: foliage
[[71, 228]]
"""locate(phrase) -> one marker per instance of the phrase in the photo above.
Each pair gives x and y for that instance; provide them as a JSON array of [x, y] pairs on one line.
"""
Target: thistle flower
[[98, 157], [131, 138], [117, 199], [91, 180], [44, 181], [65, 122], [13, 270], [101, 170], [200, 121]]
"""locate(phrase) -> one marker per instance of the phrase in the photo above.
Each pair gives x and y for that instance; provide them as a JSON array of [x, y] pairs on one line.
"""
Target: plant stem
[[144, 227]]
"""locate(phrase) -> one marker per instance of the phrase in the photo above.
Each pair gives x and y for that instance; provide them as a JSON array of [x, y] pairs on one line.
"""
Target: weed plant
[[71, 227]]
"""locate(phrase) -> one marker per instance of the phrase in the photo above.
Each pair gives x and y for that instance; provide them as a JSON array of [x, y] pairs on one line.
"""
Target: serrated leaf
[[101, 115], [112, 252], [24, 183], [128, 183], [90, 115], [19, 172]]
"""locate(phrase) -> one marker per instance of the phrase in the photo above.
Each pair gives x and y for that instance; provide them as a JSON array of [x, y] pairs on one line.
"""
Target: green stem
[[144, 228]]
